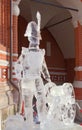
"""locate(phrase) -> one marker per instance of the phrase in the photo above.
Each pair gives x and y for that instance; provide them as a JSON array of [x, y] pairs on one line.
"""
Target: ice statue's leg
[[28, 96], [41, 104]]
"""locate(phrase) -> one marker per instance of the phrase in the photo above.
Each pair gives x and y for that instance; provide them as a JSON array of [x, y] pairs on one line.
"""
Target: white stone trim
[[15, 7], [80, 13], [15, 54], [78, 16], [7, 53], [4, 52], [78, 68], [4, 63], [77, 84], [75, 23], [55, 68], [80, 21], [0, 72], [58, 73]]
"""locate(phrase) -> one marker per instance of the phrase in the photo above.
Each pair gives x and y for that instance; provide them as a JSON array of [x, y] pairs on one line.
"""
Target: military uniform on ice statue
[[29, 68]]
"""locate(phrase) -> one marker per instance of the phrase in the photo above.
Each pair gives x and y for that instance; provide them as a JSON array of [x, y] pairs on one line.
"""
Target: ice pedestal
[[62, 127], [62, 108], [72, 127]]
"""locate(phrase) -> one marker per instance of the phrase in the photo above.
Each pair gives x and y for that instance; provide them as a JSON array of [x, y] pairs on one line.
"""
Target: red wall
[[70, 65], [56, 59]]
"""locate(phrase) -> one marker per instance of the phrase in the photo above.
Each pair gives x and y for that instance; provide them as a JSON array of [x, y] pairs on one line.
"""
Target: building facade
[[12, 39]]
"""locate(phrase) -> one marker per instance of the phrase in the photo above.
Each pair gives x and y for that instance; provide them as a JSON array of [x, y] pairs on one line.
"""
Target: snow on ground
[[74, 127]]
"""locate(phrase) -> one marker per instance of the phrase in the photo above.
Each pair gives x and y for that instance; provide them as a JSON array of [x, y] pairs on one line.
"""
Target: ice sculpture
[[15, 122], [62, 105], [55, 104], [29, 68]]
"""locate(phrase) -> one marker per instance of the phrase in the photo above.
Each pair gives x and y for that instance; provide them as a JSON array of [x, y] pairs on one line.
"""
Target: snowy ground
[[74, 127], [37, 127]]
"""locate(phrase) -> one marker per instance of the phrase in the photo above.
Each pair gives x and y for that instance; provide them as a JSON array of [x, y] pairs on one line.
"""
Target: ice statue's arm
[[18, 68], [45, 72], [19, 64]]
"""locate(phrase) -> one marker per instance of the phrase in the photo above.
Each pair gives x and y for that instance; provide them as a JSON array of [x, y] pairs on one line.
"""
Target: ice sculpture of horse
[[61, 103]]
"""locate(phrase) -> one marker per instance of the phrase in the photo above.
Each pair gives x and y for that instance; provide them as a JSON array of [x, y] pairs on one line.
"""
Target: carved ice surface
[[62, 106], [15, 122]]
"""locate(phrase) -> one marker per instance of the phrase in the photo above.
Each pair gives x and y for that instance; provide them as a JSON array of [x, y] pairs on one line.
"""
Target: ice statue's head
[[33, 31]]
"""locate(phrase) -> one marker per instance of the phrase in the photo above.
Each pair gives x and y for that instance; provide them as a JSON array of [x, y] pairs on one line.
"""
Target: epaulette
[[43, 51]]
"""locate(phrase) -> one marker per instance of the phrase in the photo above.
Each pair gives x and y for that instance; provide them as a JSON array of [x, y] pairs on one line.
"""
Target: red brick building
[[58, 39]]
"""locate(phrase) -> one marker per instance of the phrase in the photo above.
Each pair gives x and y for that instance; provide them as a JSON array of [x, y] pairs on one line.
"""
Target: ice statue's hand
[[48, 87]]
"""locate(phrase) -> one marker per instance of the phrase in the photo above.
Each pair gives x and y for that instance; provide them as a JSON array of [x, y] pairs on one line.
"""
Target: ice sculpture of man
[[31, 66]]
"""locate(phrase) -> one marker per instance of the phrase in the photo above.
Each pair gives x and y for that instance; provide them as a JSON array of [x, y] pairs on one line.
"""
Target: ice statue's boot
[[29, 118], [41, 104], [42, 113], [43, 120]]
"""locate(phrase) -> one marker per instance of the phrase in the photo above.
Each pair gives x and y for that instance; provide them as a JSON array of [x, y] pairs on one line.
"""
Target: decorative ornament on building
[[80, 17], [77, 84], [75, 20], [75, 23], [78, 68], [16, 10], [77, 17]]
